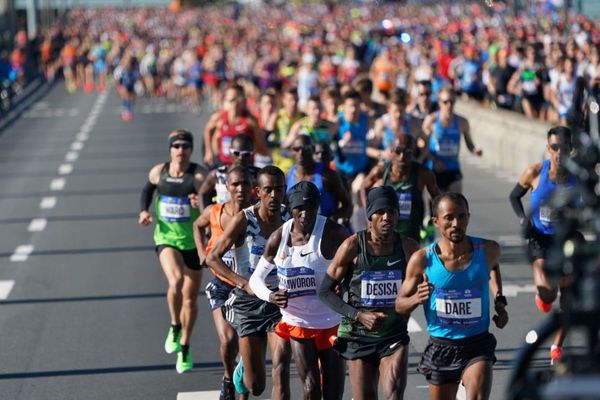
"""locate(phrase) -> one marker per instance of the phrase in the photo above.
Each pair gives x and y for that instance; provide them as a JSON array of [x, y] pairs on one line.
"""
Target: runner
[[177, 183], [408, 178], [286, 117], [254, 319], [543, 178], [335, 201], [444, 130], [452, 280], [218, 289], [313, 125], [372, 336], [301, 256]]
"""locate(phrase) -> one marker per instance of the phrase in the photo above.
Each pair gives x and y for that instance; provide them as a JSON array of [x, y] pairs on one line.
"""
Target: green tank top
[[319, 133], [410, 202], [374, 285], [174, 214]]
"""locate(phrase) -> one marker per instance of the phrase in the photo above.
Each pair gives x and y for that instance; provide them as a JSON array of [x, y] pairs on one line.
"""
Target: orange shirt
[[216, 230]]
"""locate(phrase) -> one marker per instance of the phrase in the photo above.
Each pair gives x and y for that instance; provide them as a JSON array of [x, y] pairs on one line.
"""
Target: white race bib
[[298, 281], [447, 148], [458, 307], [405, 204], [174, 209], [380, 288], [226, 146], [546, 216]]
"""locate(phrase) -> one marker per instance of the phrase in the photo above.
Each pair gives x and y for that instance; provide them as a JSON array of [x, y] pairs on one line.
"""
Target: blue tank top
[[328, 203], [389, 136], [444, 144], [354, 153], [541, 214], [459, 304]]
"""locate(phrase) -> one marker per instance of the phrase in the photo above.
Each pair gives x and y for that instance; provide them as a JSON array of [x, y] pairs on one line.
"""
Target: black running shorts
[[446, 178], [250, 315], [370, 348], [444, 360], [217, 292], [190, 257]]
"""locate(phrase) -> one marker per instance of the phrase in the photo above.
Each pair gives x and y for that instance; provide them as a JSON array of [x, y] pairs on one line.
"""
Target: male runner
[[372, 336], [543, 178], [452, 280], [408, 179], [300, 254], [217, 216], [254, 319], [177, 183]]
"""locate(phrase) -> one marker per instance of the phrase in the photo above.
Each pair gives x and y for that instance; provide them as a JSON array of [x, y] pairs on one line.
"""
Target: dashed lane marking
[[77, 145], [58, 184], [65, 169], [37, 225], [48, 202], [5, 289], [206, 395], [413, 325], [21, 253], [71, 156]]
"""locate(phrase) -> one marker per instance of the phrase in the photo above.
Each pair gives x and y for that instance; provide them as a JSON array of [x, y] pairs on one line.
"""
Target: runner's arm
[[292, 135], [200, 225], [234, 231], [492, 255], [341, 195], [430, 183], [209, 131], [520, 190], [415, 289], [144, 217], [466, 131], [207, 188], [260, 141]]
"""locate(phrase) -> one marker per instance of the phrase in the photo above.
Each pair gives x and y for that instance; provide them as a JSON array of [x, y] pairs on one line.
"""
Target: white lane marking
[[206, 395], [65, 169], [71, 156], [21, 253], [76, 145], [511, 240], [48, 202], [82, 136], [5, 289], [58, 184], [37, 225], [413, 325], [422, 386], [514, 290], [461, 394]]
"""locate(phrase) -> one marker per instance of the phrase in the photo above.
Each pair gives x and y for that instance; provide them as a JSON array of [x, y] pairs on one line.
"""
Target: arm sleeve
[[257, 280], [515, 200], [146, 197], [336, 303]]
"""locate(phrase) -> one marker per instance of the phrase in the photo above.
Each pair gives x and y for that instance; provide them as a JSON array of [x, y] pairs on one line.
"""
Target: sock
[[185, 348], [176, 328]]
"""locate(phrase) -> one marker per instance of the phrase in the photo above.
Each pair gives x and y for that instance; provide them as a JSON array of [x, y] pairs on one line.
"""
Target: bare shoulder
[[409, 245], [530, 173], [155, 171]]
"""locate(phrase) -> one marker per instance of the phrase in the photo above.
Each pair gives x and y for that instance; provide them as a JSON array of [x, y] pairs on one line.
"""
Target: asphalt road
[[82, 307]]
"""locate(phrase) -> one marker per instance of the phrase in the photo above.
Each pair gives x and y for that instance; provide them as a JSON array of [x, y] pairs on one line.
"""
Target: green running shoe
[[172, 342], [184, 362], [238, 378]]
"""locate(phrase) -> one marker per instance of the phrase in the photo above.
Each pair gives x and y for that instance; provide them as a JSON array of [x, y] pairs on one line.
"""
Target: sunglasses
[[181, 146], [300, 148], [400, 150], [563, 148], [242, 153]]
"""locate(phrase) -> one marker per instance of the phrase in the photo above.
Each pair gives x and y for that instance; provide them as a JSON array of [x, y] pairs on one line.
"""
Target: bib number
[[447, 148], [546, 216], [298, 281], [380, 288], [458, 308], [174, 209], [404, 204], [226, 146]]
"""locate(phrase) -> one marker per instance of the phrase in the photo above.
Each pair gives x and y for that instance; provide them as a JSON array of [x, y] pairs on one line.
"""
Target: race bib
[[529, 87], [226, 146], [354, 147], [405, 204], [298, 281], [174, 209], [458, 308], [447, 148], [380, 288], [546, 216]]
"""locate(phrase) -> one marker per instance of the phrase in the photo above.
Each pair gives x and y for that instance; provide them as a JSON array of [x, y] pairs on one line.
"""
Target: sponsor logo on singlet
[[458, 308]]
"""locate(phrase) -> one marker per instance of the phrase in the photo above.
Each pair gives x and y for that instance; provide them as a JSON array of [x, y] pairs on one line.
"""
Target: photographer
[[543, 178]]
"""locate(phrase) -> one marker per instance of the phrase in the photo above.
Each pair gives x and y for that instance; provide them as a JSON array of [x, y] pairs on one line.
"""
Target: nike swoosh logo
[[305, 198], [394, 345], [305, 254], [389, 264]]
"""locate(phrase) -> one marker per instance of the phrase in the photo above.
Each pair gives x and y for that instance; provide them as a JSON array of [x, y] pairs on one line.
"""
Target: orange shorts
[[323, 338]]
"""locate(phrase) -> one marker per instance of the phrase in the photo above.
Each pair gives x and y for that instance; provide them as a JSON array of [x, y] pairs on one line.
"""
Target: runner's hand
[[439, 166], [501, 317], [279, 298], [371, 320], [478, 152], [424, 290], [145, 218]]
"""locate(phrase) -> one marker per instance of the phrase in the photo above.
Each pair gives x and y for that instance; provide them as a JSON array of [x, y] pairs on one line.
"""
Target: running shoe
[[227, 390], [238, 378], [127, 116], [543, 307], [555, 354], [88, 87], [172, 342], [184, 361]]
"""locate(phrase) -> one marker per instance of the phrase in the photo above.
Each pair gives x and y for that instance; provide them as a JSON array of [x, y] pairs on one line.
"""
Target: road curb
[[31, 93]]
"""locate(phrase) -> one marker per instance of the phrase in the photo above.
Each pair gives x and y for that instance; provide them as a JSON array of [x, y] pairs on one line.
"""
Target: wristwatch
[[500, 299]]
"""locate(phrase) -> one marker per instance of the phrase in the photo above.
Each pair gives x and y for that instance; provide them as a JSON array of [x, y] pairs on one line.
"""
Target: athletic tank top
[[247, 256], [319, 133], [459, 304], [444, 143], [328, 202], [354, 152], [389, 135], [301, 270], [374, 284], [216, 230], [410, 201], [543, 216], [228, 132], [174, 214]]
